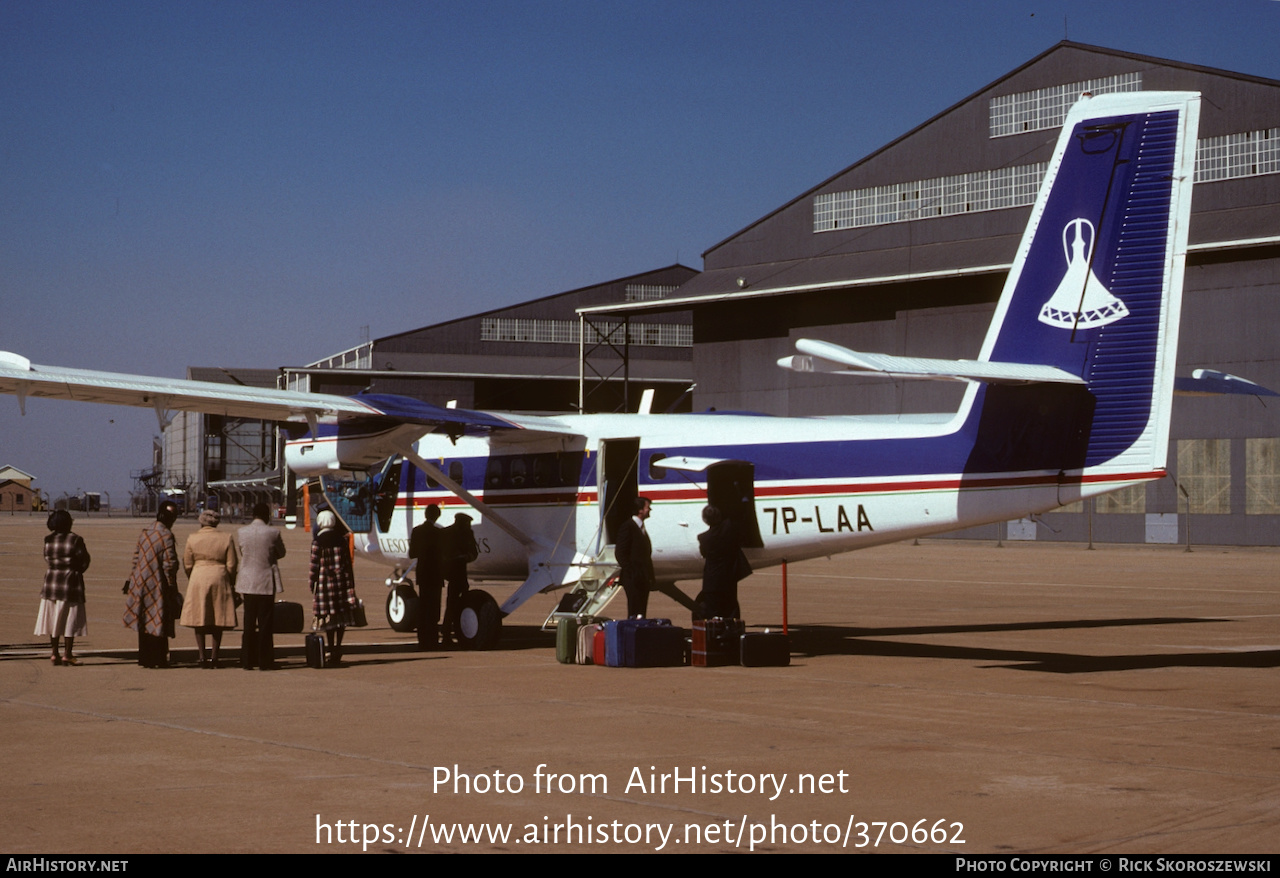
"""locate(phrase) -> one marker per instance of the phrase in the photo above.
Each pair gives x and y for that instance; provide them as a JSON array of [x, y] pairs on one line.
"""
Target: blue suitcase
[[615, 655], [654, 646]]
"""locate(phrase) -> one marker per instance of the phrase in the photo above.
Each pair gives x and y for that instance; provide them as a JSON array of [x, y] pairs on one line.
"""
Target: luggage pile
[[656, 643]]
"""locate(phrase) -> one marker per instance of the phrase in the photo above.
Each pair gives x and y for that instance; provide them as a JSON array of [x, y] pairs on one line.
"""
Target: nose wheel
[[402, 609]]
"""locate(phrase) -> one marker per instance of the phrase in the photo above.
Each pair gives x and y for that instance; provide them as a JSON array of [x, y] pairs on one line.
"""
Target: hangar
[[234, 458], [535, 356], [905, 252]]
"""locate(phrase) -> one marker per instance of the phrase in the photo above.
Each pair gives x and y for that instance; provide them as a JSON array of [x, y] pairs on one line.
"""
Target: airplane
[[1068, 398]]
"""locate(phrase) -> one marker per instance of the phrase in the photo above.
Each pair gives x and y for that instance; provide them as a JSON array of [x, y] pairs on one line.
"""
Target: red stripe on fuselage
[[514, 498]]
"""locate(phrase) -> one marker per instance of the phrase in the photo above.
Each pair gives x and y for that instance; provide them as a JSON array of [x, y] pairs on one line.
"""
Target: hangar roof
[[786, 251]]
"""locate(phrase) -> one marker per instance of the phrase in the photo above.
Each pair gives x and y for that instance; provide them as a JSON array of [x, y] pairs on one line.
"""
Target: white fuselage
[[811, 495]]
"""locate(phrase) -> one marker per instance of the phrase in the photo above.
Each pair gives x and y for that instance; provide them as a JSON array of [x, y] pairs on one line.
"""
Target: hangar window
[[1047, 107], [647, 292], [1204, 472], [671, 335], [1247, 154], [1131, 499], [921, 199], [1262, 476]]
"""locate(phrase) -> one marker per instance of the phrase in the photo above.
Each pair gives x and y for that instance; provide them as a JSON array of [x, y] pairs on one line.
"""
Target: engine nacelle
[[348, 445]]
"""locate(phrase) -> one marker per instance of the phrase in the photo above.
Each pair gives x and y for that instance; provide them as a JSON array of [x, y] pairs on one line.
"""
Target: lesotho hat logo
[[1080, 301]]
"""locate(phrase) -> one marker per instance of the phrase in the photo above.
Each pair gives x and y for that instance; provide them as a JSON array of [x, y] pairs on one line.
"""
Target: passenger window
[[543, 472], [518, 468], [494, 477]]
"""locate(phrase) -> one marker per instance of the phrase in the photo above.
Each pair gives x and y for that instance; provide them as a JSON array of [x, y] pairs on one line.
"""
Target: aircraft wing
[[21, 377], [823, 356]]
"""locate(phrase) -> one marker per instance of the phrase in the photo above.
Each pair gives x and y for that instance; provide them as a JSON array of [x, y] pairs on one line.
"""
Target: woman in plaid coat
[[62, 597], [333, 582], [152, 588]]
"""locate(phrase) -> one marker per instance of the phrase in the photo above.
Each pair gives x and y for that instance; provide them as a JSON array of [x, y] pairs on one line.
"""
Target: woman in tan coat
[[211, 560]]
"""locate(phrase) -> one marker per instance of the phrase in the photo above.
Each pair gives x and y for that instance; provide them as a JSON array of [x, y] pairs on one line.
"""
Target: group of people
[[223, 570], [441, 556], [219, 567], [724, 566]]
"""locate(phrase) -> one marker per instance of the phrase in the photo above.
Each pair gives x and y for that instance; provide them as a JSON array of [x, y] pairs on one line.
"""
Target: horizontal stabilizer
[[1207, 382], [822, 356], [686, 464]]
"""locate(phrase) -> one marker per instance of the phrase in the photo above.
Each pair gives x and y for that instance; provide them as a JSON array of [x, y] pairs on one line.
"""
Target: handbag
[[173, 602], [358, 617]]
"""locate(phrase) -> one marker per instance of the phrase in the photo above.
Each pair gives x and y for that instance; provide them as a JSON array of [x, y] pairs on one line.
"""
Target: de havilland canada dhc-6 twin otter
[[1069, 397]]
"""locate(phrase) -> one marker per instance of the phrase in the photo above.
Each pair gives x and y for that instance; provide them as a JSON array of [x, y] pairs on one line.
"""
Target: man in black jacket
[[635, 557]]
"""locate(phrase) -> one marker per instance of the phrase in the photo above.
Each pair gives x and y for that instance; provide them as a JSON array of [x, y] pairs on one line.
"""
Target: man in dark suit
[[635, 557], [459, 551], [427, 544]]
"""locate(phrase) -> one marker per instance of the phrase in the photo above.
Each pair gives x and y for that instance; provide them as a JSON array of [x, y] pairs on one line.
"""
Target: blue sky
[[253, 183]]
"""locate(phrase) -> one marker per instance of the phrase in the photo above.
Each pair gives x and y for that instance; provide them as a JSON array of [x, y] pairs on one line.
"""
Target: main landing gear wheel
[[480, 622], [402, 609]]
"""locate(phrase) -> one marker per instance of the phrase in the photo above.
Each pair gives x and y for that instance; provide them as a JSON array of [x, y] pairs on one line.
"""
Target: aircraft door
[[731, 489], [350, 494], [388, 489], [619, 475]]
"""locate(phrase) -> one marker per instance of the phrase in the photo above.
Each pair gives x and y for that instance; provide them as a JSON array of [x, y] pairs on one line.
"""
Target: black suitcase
[[315, 651], [764, 649], [286, 618]]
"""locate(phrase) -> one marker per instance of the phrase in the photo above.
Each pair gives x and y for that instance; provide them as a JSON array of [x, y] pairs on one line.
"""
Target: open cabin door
[[360, 498], [731, 488], [619, 483]]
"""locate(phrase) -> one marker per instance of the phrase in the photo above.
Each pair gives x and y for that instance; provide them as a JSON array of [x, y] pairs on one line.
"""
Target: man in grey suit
[[261, 546]]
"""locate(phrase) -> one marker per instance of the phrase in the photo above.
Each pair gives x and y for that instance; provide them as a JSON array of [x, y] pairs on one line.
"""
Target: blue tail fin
[[1096, 288]]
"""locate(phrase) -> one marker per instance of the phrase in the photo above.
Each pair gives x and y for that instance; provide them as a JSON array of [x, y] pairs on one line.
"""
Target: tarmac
[[946, 697]]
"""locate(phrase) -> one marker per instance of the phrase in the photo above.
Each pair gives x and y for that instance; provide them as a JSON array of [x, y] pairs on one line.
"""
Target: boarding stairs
[[591, 593]]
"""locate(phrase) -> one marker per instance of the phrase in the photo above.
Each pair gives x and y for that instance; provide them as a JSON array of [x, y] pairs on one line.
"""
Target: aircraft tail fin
[[1096, 287]]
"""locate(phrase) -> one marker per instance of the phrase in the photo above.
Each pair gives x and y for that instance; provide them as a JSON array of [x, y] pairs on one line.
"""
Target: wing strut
[[470, 499], [163, 415]]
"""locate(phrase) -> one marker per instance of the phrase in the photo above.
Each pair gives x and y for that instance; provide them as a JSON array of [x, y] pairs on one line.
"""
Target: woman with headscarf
[[333, 582], [62, 612], [210, 560]]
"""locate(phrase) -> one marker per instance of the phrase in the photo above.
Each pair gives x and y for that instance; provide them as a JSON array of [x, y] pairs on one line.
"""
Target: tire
[[479, 622], [402, 609]]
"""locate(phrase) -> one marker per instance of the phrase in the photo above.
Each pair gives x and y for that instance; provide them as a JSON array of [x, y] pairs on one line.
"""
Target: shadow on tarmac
[[815, 640]]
